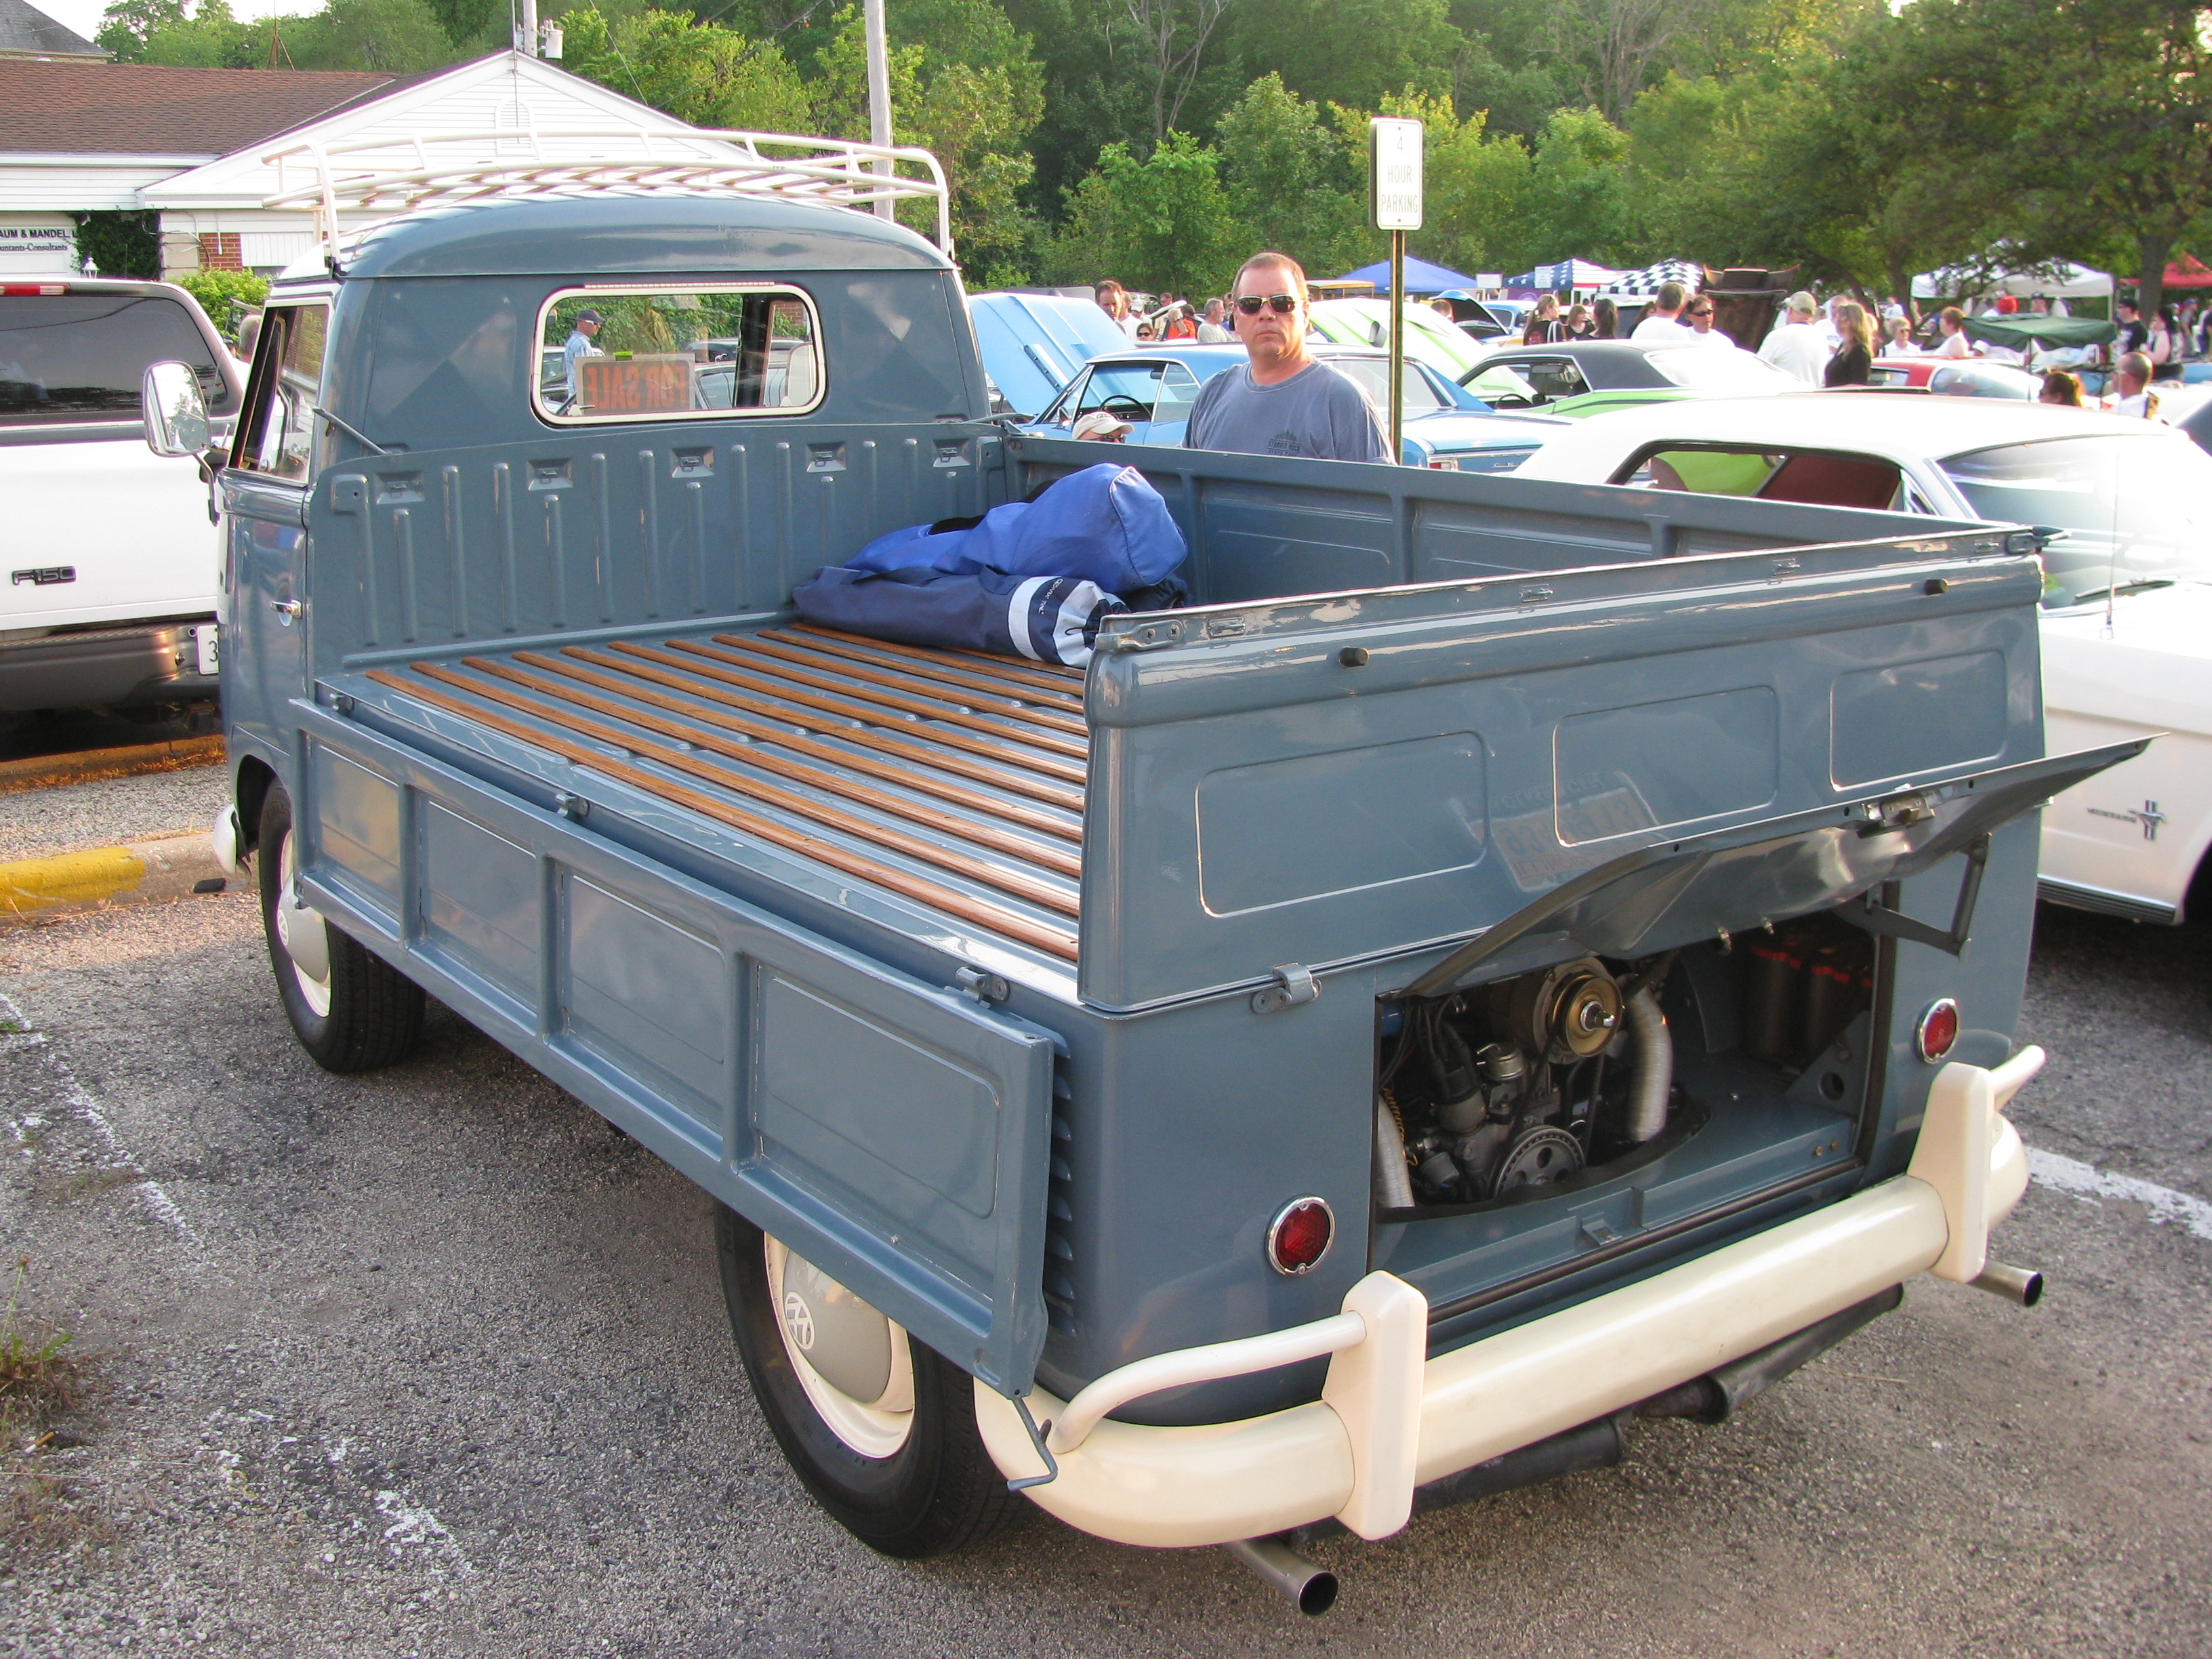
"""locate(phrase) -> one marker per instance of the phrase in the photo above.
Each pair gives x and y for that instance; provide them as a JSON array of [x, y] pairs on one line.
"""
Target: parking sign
[[1393, 176]]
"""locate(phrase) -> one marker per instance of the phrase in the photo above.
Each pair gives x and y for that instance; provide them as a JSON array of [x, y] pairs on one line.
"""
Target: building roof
[[26, 31], [147, 109]]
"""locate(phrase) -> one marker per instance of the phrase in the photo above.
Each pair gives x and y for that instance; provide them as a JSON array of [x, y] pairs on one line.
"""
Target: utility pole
[[526, 38], [880, 93]]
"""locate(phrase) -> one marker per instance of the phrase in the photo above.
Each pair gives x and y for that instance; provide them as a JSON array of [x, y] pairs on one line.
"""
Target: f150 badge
[[2150, 818], [44, 577]]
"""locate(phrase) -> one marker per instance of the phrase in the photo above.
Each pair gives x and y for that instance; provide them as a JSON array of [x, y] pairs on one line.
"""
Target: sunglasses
[[1702, 313], [1281, 304]]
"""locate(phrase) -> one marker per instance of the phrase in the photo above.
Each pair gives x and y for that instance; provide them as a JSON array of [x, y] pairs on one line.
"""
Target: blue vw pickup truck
[[1504, 959]]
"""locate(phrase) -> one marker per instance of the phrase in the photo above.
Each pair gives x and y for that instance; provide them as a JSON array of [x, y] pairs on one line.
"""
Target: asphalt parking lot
[[433, 1362]]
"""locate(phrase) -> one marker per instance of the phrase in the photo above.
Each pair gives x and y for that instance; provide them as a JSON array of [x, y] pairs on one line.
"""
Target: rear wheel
[[902, 1469], [351, 1010]]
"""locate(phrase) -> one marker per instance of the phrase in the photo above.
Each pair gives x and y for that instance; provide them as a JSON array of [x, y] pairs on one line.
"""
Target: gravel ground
[[34, 822], [432, 1362]]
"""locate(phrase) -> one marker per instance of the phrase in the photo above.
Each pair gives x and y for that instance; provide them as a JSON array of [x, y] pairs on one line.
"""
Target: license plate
[[204, 646]]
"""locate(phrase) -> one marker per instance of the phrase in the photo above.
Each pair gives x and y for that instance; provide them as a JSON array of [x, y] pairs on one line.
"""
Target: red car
[[1957, 377]]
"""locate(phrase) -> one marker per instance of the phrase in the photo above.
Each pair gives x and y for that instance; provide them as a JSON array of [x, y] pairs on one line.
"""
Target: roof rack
[[448, 168]]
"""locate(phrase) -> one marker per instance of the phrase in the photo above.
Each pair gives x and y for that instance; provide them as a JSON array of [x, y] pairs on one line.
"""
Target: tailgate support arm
[[1881, 916]]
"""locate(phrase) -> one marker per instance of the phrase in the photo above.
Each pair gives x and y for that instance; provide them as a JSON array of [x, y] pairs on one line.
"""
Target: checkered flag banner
[[1645, 282]]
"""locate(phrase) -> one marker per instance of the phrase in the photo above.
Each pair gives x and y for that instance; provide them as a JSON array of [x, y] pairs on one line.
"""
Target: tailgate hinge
[[1294, 984]]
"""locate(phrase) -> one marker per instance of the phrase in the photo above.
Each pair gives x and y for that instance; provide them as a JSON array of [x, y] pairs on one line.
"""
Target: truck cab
[[1504, 957]]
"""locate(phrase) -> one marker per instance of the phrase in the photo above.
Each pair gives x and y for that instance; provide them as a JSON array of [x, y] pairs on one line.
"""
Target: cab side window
[[278, 437]]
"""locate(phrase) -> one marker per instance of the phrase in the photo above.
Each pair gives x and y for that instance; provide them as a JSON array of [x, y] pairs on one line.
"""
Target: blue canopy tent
[[1421, 277]]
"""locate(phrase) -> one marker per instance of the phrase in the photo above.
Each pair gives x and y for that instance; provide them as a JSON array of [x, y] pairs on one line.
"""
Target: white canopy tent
[[2060, 280]]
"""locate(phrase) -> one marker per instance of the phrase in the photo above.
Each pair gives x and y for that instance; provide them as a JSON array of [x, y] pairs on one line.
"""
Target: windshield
[[81, 356], [1707, 369], [1372, 376], [2133, 512]]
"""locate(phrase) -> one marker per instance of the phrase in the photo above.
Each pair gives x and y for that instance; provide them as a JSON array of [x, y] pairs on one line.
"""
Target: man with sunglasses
[[1282, 401]]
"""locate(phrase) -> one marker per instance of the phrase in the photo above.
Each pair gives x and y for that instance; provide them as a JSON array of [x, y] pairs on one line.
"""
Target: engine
[[1521, 1082]]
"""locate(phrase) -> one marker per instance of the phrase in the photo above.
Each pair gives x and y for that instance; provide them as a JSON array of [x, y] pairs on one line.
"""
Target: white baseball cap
[[1098, 424]]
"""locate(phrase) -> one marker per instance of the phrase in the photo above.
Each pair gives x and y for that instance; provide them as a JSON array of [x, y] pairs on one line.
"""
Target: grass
[[40, 1377], [91, 1183]]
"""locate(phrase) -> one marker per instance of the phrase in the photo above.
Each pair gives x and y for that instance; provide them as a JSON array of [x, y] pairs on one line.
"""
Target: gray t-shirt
[[1317, 412]]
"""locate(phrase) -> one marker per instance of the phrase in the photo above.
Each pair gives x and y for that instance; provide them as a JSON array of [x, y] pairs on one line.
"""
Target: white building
[[188, 143]]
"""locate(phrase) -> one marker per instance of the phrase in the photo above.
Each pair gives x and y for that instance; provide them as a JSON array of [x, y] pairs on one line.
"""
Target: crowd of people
[[1284, 401], [1169, 318]]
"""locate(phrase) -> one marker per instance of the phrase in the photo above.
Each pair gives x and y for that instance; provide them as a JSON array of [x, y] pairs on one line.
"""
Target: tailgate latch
[[1294, 984]]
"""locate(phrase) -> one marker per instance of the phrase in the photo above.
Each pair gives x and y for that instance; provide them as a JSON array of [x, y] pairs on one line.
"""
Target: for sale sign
[[1394, 174], [633, 386]]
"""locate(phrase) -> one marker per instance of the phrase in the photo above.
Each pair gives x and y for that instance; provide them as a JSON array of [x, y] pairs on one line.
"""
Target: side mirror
[[175, 413]]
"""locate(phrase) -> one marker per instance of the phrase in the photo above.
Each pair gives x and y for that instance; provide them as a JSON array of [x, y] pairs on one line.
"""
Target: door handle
[[287, 609]]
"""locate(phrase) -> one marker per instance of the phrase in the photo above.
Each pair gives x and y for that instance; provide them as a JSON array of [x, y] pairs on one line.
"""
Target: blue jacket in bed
[[1031, 578]]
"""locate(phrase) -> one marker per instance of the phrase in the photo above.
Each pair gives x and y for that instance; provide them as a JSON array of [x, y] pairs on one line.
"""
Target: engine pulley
[[1538, 1158]]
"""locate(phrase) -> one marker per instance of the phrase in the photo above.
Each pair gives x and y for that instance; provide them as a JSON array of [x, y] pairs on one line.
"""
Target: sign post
[[1394, 203]]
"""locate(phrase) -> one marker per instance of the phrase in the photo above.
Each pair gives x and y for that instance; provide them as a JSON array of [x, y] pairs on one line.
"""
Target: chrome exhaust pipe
[[1312, 1589], [2021, 1284]]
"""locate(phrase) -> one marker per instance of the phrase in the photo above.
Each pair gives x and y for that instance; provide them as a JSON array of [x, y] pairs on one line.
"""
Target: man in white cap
[[1099, 427], [1797, 347]]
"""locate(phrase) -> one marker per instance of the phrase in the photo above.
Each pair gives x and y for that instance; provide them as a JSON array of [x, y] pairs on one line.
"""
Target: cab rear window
[[67, 357], [659, 354]]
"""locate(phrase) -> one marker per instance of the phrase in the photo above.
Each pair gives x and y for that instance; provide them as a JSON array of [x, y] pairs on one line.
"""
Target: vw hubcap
[[875, 1428]]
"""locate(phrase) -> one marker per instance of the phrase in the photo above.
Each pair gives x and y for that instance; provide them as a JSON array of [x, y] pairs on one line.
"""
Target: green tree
[[1579, 191], [1352, 52], [2101, 111], [702, 73], [972, 96], [479, 24], [1161, 224], [841, 90], [399, 37], [1289, 178], [127, 25], [1475, 217]]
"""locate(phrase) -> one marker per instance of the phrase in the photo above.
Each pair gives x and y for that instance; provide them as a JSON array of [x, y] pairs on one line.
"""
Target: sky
[[83, 15]]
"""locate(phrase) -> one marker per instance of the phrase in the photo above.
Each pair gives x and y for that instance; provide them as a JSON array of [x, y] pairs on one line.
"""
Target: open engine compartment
[[1589, 1068]]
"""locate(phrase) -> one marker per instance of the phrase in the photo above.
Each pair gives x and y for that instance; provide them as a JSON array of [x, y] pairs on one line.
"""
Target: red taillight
[[1937, 1030], [16, 289], [1300, 1235]]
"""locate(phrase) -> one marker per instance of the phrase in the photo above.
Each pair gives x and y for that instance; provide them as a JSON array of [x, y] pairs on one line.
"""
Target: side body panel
[[892, 1131]]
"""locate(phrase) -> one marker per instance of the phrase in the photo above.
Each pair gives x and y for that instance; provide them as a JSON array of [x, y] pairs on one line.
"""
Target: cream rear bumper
[[1385, 1425]]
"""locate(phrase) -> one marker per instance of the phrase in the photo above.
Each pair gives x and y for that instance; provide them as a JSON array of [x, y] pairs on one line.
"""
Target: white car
[[2127, 618], [111, 562]]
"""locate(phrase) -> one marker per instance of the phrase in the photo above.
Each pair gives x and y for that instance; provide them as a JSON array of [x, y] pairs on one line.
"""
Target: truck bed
[[952, 778]]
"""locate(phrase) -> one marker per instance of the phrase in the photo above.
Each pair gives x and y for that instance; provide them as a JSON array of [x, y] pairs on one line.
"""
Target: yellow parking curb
[[134, 873]]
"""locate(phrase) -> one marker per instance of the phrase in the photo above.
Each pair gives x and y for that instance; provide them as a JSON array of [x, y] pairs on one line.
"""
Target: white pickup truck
[[110, 563]]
